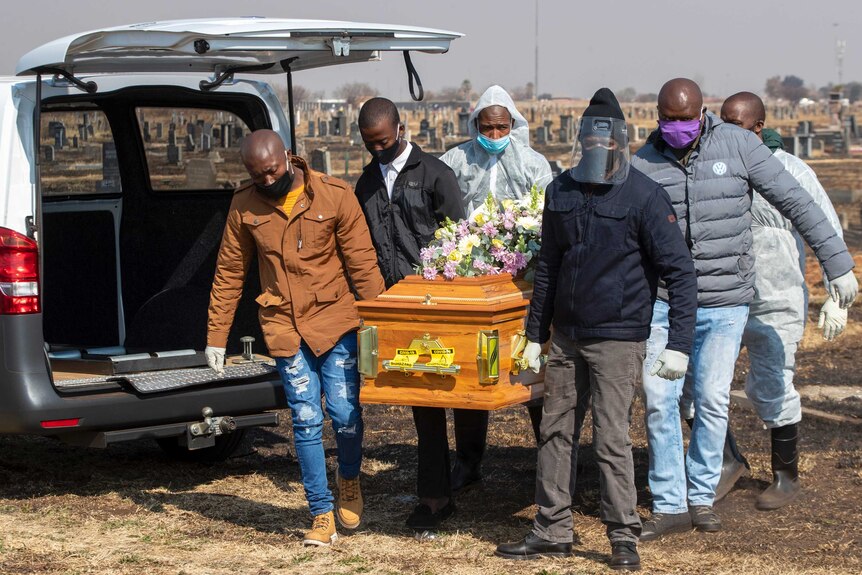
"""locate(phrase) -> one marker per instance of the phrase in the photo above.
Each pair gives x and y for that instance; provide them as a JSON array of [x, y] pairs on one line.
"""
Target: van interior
[[135, 187]]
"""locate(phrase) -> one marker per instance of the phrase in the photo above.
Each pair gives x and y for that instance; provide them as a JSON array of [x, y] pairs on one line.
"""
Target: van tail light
[[55, 423], [19, 274]]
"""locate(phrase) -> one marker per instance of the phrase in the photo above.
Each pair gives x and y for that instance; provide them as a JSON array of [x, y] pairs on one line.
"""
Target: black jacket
[[601, 258], [425, 193]]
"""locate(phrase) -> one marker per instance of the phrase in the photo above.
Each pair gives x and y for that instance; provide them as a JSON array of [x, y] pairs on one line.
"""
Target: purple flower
[[463, 228], [489, 229], [508, 219], [426, 254], [448, 247], [429, 273], [449, 270]]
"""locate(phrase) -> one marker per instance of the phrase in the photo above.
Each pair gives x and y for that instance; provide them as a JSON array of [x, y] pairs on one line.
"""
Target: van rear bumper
[[28, 398]]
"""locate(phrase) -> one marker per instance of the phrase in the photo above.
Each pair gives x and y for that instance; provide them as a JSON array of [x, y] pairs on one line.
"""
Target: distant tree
[[354, 93], [466, 90], [773, 87], [650, 97], [627, 94], [302, 94], [790, 88], [445, 94], [853, 91], [524, 92], [793, 88]]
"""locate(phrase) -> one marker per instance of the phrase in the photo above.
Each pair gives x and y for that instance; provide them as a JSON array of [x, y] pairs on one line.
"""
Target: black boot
[[785, 485], [733, 465]]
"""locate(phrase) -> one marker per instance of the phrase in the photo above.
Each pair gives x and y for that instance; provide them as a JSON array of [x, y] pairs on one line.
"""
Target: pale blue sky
[[727, 45]]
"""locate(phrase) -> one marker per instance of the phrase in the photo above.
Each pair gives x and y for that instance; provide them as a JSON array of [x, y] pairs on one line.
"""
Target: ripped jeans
[[334, 375]]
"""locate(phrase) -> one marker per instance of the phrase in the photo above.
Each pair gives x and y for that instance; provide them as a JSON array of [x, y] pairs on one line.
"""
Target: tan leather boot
[[348, 510], [322, 532]]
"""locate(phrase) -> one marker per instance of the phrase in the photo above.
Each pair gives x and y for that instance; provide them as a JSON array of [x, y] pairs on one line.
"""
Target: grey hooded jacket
[[712, 198]]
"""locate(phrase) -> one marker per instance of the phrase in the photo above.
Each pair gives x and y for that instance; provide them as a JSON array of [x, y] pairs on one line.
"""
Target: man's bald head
[[680, 99], [261, 143], [745, 110], [264, 156]]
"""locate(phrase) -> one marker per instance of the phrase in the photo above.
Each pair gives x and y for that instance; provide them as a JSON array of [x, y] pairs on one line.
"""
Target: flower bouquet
[[496, 238]]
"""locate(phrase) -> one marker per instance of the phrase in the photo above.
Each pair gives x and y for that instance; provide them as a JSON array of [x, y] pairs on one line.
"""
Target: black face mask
[[278, 188], [386, 155]]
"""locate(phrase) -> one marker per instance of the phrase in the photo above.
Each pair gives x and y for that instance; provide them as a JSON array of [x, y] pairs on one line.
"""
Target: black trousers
[[471, 430]]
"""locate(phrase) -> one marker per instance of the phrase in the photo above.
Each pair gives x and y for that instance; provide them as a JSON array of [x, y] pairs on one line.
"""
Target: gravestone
[[146, 132], [200, 174], [463, 120], [225, 135], [206, 142], [159, 131], [423, 128], [433, 142], [323, 128], [110, 168], [236, 138], [175, 154], [310, 129], [541, 136], [567, 128], [190, 143], [75, 141], [549, 134], [58, 140], [320, 161], [191, 130], [49, 153], [172, 137]]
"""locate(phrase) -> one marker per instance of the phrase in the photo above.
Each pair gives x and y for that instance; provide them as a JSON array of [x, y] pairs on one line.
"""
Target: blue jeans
[[678, 480], [335, 375]]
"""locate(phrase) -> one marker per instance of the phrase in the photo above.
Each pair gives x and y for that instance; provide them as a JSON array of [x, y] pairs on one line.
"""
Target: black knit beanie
[[604, 104]]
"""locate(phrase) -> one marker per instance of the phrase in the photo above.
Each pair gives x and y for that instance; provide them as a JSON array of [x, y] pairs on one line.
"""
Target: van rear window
[[78, 154], [192, 148]]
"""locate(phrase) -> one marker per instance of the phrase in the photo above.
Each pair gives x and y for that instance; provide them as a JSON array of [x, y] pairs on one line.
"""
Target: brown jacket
[[305, 260]]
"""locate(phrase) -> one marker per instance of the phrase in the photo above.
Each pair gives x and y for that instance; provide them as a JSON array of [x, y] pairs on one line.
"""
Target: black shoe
[[704, 518], [464, 477], [624, 556], [664, 524], [532, 547], [423, 519]]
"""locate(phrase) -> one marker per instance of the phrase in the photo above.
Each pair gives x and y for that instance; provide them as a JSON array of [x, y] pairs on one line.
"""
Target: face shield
[[601, 151]]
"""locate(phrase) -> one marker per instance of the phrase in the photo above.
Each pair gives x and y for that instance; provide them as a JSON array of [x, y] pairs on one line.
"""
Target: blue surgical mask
[[493, 146]]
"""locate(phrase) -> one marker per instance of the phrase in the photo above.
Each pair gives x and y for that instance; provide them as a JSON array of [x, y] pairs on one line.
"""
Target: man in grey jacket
[[708, 168]]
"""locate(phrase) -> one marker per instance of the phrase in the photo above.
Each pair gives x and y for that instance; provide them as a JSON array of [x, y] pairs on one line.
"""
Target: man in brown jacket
[[309, 235]]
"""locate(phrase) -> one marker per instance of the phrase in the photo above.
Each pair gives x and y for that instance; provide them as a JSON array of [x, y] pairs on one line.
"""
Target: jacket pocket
[[318, 228], [263, 230], [610, 227], [329, 294], [568, 226], [269, 299]]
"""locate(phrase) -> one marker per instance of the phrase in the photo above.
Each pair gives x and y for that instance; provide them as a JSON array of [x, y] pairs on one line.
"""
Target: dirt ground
[[129, 510]]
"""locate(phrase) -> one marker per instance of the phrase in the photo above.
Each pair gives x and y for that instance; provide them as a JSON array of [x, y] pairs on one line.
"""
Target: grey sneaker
[[664, 524], [704, 518]]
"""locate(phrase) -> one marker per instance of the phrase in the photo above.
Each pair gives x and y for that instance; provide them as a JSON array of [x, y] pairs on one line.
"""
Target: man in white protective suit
[[777, 315], [497, 159]]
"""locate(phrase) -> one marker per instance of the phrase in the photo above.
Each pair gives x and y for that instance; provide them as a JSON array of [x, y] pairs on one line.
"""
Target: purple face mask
[[679, 134]]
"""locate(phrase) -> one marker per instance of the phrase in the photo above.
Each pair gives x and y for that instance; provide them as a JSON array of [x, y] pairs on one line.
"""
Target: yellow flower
[[497, 243], [455, 256], [480, 218]]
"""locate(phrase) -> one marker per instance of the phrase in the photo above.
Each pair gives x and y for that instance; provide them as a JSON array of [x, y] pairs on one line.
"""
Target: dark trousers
[[471, 429], [614, 370]]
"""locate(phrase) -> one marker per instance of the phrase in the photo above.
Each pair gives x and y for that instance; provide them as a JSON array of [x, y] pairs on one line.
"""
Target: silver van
[[118, 158]]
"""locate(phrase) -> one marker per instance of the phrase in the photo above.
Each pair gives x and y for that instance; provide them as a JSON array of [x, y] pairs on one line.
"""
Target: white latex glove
[[843, 289], [833, 319], [531, 353], [670, 365], [215, 358]]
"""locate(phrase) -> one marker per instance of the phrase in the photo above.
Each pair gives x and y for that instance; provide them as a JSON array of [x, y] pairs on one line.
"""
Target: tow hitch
[[203, 434]]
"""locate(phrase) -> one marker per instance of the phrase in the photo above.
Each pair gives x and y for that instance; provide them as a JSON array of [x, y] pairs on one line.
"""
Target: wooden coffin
[[447, 343]]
